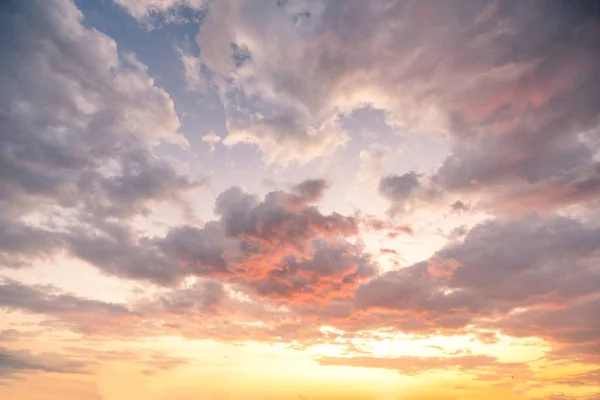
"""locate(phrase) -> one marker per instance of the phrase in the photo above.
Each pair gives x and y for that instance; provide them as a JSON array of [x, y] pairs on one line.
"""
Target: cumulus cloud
[[517, 269], [517, 112], [252, 240], [92, 107], [79, 124], [514, 110]]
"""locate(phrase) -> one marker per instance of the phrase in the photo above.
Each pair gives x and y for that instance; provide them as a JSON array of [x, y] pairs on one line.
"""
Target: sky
[[299, 200]]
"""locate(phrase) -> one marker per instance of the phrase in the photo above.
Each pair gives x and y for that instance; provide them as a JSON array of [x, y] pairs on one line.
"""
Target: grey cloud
[[403, 191], [22, 361], [497, 268], [573, 325], [141, 180], [204, 251], [78, 123], [398, 187], [48, 300], [79, 89], [249, 236], [513, 86], [21, 244], [202, 296], [124, 255], [458, 206], [274, 221], [309, 191], [64, 310]]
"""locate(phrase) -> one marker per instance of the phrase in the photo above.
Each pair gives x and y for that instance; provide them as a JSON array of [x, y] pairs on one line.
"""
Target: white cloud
[[142, 9], [210, 140]]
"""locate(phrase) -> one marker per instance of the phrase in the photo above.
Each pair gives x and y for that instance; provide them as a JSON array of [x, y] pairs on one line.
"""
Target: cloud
[[48, 300], [374, 224], [116, 250], [515, 269], [282, 218], [399, 189], [284, 131], [79, 124], [306, 192], [202, 296], [514, 110], [459, 207], [21, 244], [332, 271], [67, 311], [95, 112], [249, 241], [80, 121], [572, 327], [371, 162], [210, 141], [410, 365], [405, 191], [192, 69], [142, 10], [22, 361]]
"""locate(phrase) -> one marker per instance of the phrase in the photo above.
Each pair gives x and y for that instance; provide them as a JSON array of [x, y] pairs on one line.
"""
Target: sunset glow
[[299, 200]]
